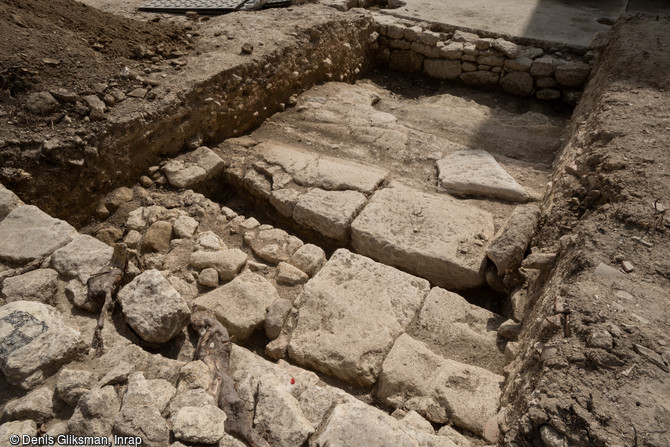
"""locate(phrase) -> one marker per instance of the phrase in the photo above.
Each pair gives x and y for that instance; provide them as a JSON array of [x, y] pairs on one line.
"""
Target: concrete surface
[[568, 22]]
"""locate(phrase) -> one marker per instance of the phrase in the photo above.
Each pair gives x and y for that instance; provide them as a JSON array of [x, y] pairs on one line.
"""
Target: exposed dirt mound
[[64, 43]]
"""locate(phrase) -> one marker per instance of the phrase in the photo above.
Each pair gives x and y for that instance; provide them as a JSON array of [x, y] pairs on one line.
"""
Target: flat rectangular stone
[[415, 378], [322, 171], [329, 212], [436, 237], [27, 233], [350, 313]]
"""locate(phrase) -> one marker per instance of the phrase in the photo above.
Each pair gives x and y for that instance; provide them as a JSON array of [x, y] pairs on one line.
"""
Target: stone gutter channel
[[312, 313]]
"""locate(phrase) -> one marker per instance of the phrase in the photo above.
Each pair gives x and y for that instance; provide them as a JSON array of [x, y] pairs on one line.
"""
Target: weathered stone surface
[[329, 212], [240, 305], [417, 423], [96, 107], [452, 50], [27, 234], [284, 201], [153, 308], [205, 158], [273, 245], [81, 258], [466, 394], [290, 275], [464, 36], [509, 245], [27, 427], [185, 226], [116, 198], [37, 405], [442, 69], [337, 333], [405, 61], [34, 342], [227, 263], [196, 397], [140, 414], [208, 241], [157, 237], [518, 64], [74, 383], [199, 424], [358, 425], [476, 172], [279, 417], [41, 103], [77, 293], [435, 237], [208, 277], [193, 375], [459, 330], [480, 78], [154, 366], [572, 74], [517, 83], [323, 172], [95, 412], [274, 320], [309, 258], [39, 285], [183, 175], [506, 47], [544, 66], [8, 202]]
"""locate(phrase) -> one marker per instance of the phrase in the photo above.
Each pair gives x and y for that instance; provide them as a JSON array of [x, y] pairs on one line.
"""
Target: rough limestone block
[[507, 249], [433, 236], [34, 342], [349, 315], [572, 74], [81, 258], [39, 285], [443, 69], [240, 305], [465, 394], [27, 233], [8, 202], [517, 83], [477, 173], [329, 212]]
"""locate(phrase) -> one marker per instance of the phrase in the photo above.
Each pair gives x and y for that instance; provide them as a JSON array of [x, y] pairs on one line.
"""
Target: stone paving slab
[[436, 237], [350, 313], [329, 212], [27, 234]]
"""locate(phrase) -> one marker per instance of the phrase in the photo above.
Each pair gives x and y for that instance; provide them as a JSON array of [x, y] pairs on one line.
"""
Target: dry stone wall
[[477, 61]]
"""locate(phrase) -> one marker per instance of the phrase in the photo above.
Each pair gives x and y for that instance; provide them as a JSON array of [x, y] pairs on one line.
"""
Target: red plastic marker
[[292, 381]]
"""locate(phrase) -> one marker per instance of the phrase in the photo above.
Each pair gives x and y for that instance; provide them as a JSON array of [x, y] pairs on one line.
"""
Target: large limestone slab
[[8, 202], [241, 304], [350, 313], [27, 233], [358, 425], [436, 237], [34, 342], [322, 171], [439, 389], [477, 173], [459, 330], [81, 258], [329, 212]]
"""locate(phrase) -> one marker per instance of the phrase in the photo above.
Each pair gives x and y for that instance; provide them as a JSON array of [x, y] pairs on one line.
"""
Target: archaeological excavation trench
[[374, 209]]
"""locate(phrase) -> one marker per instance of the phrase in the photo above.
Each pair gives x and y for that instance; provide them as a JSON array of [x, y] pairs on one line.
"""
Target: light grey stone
[[240, 305], [81, 258], [183, 175], [133, 239], [433, 236], [276, 315], [323, 172], [329, 212], [77, 293], [208, 277], [290, 275], [451, 51], [509, 329], [35, 341], [27, 427], [185, 226], [196, 397], [309, 258], [512, 240], [463, 36], [273, 245], [279, 417], [37, 405], [476, 172], [27, 234], [518, 64], [39, 285], [544, 66], [95, 412], [468, 395], [199, 424], [417, 423], [163, 391], [74, 383], [153, 308], [443, 69], [157, 237], [207, 160], [506, 47], [208, 241], [194, 375], [284, 200], [41, 103], [8, 202], [227, 263], [572, 74], [450, 323], [116, 198], [337, 333], [458, 439]]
